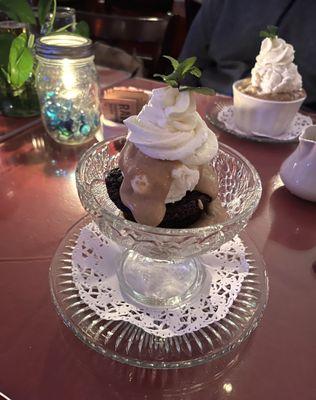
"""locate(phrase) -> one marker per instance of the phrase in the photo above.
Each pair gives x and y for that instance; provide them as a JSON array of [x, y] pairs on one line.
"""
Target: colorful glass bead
[[85, 129], [64, 132], [50, 94]]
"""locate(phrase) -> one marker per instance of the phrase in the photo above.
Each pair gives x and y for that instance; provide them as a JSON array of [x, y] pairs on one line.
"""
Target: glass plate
[[129, 344], [212, 118]]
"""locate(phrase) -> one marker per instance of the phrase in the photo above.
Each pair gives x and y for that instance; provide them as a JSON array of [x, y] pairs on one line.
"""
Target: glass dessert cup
[[160, 267]]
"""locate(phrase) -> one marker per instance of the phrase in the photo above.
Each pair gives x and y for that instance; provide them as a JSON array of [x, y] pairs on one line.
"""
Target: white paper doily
[[300, 121], [94, 263]]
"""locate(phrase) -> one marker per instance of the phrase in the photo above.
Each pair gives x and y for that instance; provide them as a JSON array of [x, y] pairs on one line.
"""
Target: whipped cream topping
[[170, 128], [183, 179], [274, 71]]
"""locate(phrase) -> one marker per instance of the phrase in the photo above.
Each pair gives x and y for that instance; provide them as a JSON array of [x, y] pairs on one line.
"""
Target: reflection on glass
[[65, 16], [228, 387]]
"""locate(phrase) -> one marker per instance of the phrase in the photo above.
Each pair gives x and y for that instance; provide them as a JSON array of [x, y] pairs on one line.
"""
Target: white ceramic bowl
[[263, 117]]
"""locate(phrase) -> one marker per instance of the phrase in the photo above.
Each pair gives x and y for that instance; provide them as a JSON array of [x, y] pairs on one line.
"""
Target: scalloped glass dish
[[158, 252], [129, 344]]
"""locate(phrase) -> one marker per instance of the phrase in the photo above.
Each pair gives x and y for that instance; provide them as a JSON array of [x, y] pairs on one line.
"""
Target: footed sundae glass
[[160, 267]]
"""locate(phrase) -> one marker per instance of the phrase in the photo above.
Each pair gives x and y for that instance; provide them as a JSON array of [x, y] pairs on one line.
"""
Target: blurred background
[[143, 29]]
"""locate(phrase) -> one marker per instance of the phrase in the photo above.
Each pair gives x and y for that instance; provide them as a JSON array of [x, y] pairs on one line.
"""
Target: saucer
[[127, 343], [222, 116]]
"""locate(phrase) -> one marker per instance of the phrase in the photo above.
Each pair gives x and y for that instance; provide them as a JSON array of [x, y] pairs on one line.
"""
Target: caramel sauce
[[148, 204], [147, 182], [207, 183], [215, 214], [246, 87]]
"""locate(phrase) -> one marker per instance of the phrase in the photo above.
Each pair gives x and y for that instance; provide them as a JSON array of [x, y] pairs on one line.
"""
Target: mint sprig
[[180, 70], [271, 32]]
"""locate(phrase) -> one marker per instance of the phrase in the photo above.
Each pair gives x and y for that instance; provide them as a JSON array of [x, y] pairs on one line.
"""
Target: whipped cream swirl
[[170, 128], [274, 71]]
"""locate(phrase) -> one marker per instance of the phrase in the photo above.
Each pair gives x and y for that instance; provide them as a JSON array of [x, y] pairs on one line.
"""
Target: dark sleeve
[[199, 37]]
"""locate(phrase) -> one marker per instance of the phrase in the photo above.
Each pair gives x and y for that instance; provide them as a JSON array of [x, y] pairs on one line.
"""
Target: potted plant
[[17, 62]]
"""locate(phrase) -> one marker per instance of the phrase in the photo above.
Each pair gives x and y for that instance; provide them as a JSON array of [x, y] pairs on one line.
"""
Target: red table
[[41, 359]]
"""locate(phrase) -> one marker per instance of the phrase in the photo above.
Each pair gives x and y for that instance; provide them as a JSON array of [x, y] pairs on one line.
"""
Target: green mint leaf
[[175, 75], [20, 61], [163, 77], [174, 62], [202, 90], [6, 40], [183, 68], [44, 7], [187, 65], [272, 29], [196, 72], [172, 83], [270, 32], [159, 76], [180, 70], [168, 80]]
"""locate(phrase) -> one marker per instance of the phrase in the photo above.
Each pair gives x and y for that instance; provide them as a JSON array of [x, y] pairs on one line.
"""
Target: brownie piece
[[180, 214]]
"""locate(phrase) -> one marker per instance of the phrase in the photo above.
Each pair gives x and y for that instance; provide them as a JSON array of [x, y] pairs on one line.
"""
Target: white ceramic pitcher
[[298, 171]]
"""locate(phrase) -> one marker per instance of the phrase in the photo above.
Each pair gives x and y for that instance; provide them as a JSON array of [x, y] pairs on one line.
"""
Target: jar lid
[[58, 46]]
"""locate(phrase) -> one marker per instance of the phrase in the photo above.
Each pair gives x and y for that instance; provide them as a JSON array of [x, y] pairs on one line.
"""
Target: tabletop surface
[[41, 359]]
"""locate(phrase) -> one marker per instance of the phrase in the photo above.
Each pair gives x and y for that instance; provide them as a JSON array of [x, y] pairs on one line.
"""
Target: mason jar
[[66, 82]]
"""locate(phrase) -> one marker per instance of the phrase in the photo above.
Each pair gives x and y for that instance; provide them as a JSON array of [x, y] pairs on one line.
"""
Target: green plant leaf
[[20, 61], [30, 41], [82, 29], [63, 29], [5, 74], [22, 71], [20, 8], [6, 7], [17, 47], [174, 62], [43, 10], [6, 40]]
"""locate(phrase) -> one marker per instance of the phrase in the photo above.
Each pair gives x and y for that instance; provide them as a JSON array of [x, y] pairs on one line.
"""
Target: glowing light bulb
[[69, 79]]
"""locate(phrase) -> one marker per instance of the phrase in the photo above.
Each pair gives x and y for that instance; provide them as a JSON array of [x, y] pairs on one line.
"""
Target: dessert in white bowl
[[267, 103]]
